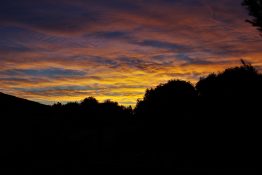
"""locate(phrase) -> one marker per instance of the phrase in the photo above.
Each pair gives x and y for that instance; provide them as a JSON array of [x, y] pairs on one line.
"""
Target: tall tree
[[255, 10]]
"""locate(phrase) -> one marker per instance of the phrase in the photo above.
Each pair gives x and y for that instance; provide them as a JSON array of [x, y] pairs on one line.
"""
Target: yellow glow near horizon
[[118, 52]]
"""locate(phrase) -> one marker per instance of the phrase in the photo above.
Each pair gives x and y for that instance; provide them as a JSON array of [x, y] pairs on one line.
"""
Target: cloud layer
[[64, 50]]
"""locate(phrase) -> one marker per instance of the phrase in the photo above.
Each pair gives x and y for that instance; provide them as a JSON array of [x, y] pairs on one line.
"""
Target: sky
[[62, 50]]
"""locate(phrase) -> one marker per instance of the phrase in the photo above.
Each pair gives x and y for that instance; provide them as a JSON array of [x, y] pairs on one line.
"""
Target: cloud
[[63, 50], [45, 15], [163, 45], [113, 35], [46, 90], [50, 73]]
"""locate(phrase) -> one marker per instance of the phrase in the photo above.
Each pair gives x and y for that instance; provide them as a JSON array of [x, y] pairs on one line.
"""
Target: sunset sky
[[66, 50]]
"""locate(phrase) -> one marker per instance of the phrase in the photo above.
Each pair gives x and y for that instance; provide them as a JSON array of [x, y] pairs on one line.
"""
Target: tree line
[[211, 127], [214, 124]]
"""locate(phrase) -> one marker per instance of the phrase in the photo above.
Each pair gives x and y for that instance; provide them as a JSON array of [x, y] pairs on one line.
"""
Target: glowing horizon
[[60, 51]]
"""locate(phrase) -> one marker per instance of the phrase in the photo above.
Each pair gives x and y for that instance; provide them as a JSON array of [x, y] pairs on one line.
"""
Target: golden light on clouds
[[116, 49]]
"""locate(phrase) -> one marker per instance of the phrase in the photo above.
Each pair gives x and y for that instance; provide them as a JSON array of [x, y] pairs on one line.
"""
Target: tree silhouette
[[165, 112], [233, 82], [255, 10], [89, 102], [228, 115], [213, 124], [171, 97]]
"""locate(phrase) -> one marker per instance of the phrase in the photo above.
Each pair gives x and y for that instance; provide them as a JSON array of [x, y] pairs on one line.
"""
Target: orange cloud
[[68, 50]]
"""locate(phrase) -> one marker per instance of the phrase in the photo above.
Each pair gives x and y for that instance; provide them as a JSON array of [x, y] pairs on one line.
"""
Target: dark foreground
[[211, 128]]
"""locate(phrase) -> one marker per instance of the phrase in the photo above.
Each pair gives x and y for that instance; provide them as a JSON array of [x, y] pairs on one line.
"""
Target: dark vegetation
[[255, 11], [210, 128], [205, 128]]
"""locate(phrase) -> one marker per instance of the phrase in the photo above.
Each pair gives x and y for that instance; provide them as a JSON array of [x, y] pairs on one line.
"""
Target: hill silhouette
[[9, 103], [208, 128]]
